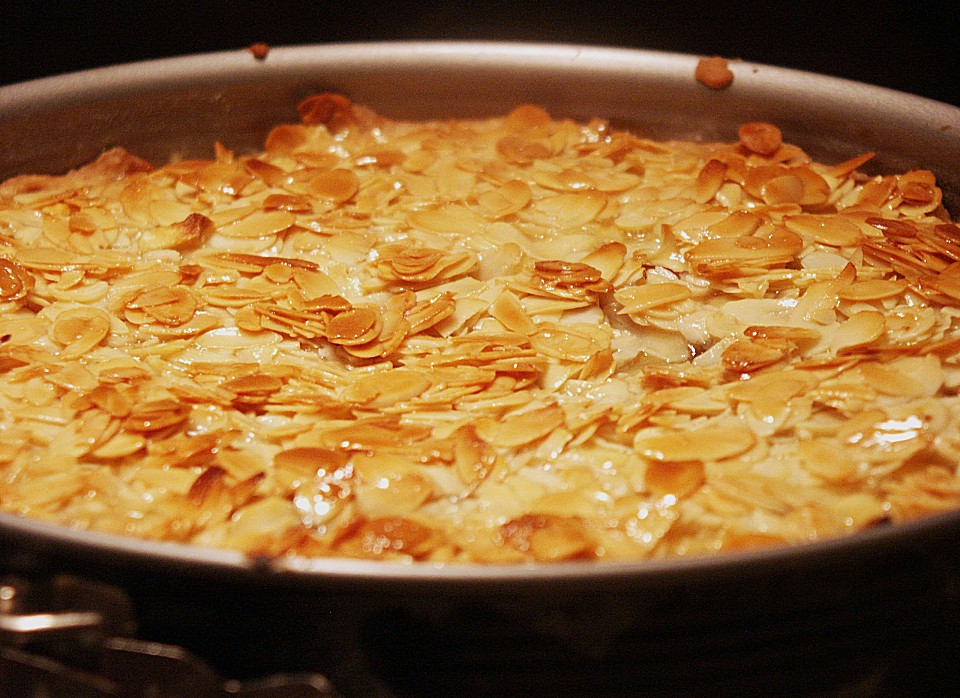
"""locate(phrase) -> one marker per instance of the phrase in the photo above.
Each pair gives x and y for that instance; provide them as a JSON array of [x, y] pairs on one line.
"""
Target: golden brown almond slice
[[526, 116], [337, 185], [857, 331], [79, 330], [826, 459], [608, 259], [509, 198], [522, 151], [639, 299], [474, 458], [448, 219], [708, 443], [847, 167], [335, 111], [566, 274], [907, 377], [390, 537], [383, 389], [676, 478], [156, 415], [169, 306], [520, 429], [572, 209], [298, 465], [259, 224], [873, 290], [775, 248], [746, 356], [826, 230], [120, 445], [353, 326], [547, 537], [389, 485], [509, 311]]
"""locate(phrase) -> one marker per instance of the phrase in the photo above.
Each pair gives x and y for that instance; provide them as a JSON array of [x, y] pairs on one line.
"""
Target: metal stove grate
[[67, 639]]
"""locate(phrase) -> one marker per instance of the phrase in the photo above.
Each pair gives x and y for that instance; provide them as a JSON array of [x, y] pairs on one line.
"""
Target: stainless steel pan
[[837, 614]]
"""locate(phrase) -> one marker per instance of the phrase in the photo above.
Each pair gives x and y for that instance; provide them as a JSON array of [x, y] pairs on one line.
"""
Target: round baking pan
[[860, 615]]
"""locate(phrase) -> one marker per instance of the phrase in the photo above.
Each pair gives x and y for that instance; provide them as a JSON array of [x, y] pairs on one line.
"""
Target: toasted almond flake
[[428, 313], [120, 445], [911, 376], [847, 167], [827, 230], [743, 356], [736, 224], [378, 390], [522, 151], [639, 299], [451, 218], [80, 329], [255, 385], [573, 209], [337, 185], [526, 116], [520, 429], [873, 290], [776, 248], [705, 444], [388, 537], [679, 478], [354, 326], [566, 274], [547, 537], [709, 181], [328, 109], [509, 311], [156, 415], [608, 259], [860, 329], [394, 485], [259, 224], [506, 200], [168, 306], [15, 281]]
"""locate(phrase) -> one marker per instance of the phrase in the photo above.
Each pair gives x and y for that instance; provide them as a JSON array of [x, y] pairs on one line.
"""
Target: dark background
[[904, 46]]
